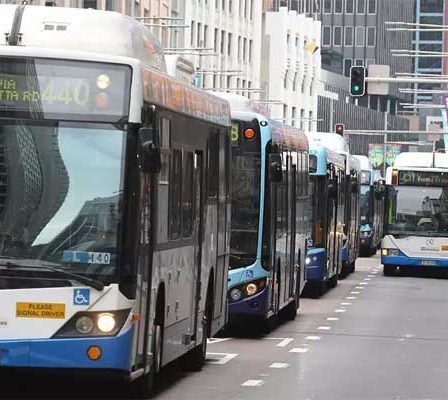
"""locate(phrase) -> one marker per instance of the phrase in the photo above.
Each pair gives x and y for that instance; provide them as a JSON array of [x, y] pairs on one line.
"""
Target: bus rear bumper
[[68, 353], [405, 261]]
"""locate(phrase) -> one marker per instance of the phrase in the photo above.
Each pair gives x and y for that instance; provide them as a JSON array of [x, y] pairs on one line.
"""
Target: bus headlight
[[106, 323], [390, 252], [94, 324], [251, 289], [366, 234], [85, 325], [236, 294], [308, 261]]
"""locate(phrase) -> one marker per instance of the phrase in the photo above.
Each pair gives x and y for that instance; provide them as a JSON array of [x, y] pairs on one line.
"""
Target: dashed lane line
[[313, 337], [301, 350], [279, 365], [339, 310], [253, 383], [332, 319]]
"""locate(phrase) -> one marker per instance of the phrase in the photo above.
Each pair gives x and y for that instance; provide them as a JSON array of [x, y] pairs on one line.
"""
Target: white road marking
[[367, 279], [279, 365], [313, 337], [264, 375], [219, 358], [285, 342], [339, 310], [332, 319], [359, 287], [298, 350], [351, 297], [217, 340], [354, 292], [363, 283], [253, 383], [370, 276], [324, 328], [346, 304]]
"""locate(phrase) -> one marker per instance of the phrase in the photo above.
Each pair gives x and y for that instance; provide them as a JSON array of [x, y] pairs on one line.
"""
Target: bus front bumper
[[317, 264], [254, 306], [405, 261], [68, 353]]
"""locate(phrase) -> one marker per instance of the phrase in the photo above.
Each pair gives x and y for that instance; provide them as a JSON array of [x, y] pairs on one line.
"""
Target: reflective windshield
[[60, 195], [246, 175], [365, 204], [418, 210]]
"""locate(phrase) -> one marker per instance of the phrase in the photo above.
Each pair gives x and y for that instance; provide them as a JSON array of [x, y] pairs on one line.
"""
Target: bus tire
[[389, 270], [195, 359], [333, 281], [289, 313]]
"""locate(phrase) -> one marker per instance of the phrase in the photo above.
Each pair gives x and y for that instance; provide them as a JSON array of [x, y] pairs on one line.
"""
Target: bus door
[[332, 217], [293, 218], [198, 212]]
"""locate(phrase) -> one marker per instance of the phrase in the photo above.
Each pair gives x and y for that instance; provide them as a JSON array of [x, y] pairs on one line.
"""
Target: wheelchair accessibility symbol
[[81, 297]]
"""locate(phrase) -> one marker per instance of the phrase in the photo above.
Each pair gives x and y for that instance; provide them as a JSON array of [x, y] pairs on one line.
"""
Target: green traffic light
[[356, 88]]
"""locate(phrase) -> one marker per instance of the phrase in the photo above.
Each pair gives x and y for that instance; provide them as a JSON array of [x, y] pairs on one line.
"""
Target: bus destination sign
[[423, 178], [37, 88]]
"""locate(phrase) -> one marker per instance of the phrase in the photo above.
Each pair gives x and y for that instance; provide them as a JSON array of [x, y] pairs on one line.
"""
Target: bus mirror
[[150, 155], [275, 168]]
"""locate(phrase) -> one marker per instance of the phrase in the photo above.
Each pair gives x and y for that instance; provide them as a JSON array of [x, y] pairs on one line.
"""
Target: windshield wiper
[[82, 279]]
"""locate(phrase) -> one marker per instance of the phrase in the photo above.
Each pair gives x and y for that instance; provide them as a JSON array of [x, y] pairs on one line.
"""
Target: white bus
[[416, 229], [114, 198]]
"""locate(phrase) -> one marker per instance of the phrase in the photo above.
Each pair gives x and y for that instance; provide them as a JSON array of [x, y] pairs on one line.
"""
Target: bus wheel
[[194, 360], [389, 270], [144, 386], [333, 281], [289, 313]]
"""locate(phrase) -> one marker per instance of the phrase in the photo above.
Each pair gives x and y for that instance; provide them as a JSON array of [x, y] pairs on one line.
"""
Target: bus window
[[212, 165], [175, 194], [165, 135], [187, 195]]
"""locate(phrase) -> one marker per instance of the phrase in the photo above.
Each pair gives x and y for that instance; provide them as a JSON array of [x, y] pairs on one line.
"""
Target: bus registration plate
[[428, 262]]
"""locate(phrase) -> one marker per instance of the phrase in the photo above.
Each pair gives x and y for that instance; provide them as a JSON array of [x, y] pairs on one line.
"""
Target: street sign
[[378, 71]]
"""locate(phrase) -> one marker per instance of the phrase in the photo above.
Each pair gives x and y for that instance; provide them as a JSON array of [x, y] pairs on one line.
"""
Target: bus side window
[[175, 195], [306, 175], [213, 165], [187, 195]]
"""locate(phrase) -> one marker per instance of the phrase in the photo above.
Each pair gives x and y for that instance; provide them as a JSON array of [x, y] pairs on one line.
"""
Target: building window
[[239, 48], [349, 6], [327, 6], [348, 37], [371, 36], [205, 35], [326, 36], [223, 39], [285, 113], [244, 49], [359, 62], [337, 36], [250, 50], [192, 33], [370, 61], [199, 38], [229, 44], [310, 120], [285, 81], [216, 40], [347, 66], [361, 6], [302, 118], [294, 85], [293, 116], [338, 5], [372, 7], [359, 36]]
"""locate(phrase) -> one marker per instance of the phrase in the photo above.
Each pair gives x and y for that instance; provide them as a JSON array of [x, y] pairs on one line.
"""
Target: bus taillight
[[394, 177]]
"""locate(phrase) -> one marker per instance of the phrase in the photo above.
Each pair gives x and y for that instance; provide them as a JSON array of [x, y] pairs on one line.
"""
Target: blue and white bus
[[416, 228], [114, 204], [327, 186], [270, 216], [372, 209], [349, 203]]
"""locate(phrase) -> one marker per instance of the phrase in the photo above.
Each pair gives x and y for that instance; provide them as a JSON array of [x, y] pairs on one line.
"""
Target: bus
[[416, 226], [372, 209], [114, 199], [270, 221], [349, 203], [324, 257]]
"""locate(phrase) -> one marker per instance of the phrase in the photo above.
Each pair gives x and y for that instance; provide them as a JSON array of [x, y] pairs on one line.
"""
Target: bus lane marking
[[339, 310], [351, 297], [354, 292], [219, 358], [346, 304], [298, 350], [279, 365], [283, 341], [324, 328], [253, 383], [363, 283], [332, 319], [313, 337]]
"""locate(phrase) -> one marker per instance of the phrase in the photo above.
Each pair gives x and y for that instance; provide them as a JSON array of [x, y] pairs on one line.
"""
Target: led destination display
[[63, 89]]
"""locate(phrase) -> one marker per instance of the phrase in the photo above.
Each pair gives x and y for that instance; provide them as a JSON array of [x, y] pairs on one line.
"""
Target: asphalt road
[[371, 338]]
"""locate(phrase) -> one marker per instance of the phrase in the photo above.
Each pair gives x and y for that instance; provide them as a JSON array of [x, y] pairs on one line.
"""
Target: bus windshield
[[246, 176], [60, 195], [365, 204], [417, 210]]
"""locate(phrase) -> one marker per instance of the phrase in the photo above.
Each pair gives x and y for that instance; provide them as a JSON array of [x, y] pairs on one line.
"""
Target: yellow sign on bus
[[40, 310]]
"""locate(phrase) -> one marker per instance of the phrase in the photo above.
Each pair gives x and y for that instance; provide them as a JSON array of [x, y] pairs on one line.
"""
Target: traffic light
[[339, 129], [357, 81]]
